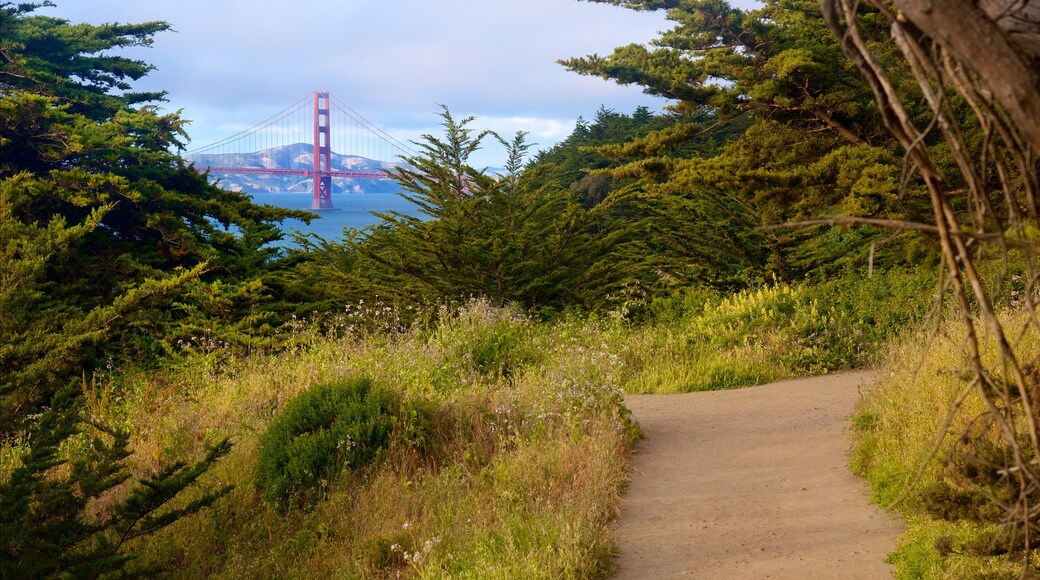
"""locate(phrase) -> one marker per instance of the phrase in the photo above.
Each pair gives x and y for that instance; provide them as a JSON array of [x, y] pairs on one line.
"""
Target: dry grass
[[527, 458], [901, 421], [522, 478]]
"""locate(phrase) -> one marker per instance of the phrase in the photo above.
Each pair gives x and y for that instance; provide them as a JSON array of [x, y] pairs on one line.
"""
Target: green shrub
[[497, 351], [324, 430], [492, 341]]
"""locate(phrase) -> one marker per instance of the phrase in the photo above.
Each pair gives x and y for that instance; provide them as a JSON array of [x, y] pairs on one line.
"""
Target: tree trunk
[[999, 40]]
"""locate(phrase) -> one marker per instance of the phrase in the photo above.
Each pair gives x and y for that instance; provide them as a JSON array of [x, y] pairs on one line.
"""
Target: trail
[[751, 483]]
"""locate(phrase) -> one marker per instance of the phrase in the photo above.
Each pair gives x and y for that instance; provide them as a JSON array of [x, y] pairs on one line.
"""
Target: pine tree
[[43, 530], [507, 238], [791, 134], [79, 152], [109, 246]]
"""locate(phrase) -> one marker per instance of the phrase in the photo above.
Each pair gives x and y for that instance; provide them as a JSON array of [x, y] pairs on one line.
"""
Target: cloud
[[552, 129], [233, 63]]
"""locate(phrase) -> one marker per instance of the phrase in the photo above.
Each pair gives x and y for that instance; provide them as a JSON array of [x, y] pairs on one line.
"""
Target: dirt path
[[751, 483]]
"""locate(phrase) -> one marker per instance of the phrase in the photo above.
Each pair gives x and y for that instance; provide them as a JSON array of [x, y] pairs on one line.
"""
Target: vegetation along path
[[751, 483]]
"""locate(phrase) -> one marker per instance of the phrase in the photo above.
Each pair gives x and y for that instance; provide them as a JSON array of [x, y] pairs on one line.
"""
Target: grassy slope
[[527, 461], [898, 425]]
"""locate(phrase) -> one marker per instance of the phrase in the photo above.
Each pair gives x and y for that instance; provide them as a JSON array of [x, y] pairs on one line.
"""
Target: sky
[[229, 64]]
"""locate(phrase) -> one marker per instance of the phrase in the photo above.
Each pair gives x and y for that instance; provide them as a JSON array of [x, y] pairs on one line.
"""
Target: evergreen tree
[[85, 170], [777, 61], [513, 238], [689, 235], [802, 137], [110, 246], [44, 532], [575, 160]]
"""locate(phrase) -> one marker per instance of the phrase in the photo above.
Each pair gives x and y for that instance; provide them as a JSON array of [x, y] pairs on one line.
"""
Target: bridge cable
[[251, 131], [372, 128]]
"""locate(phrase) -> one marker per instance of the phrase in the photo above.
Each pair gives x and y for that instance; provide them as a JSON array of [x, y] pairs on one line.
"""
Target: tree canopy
[[795, 133], [111, 248], [114, 242], [511, 238]]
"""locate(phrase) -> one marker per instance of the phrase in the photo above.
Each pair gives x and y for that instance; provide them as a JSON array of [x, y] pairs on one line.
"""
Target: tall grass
[[774, 332], [521, 471], [898, 427], [520, 479]]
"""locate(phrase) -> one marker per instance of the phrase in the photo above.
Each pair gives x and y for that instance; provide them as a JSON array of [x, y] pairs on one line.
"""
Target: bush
[[493, 342], [324, 430]]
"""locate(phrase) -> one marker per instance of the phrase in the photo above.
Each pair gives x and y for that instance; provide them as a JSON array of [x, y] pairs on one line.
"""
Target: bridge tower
[[322, 153]]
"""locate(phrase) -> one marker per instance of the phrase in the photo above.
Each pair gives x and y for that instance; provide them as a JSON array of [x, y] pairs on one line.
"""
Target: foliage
[[516, 472], [500, 237], [45, 341], [111, 249], [951, 491], [979, 170], [324, 430], [772, 125], [774, 331], [577, 160], [495, 343], [778, 61], [693, 233], [49, 56], [101, 218], [516, 457], [72, 516]]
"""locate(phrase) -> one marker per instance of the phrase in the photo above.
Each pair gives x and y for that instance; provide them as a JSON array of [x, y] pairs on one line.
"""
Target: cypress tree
[[503, 237]]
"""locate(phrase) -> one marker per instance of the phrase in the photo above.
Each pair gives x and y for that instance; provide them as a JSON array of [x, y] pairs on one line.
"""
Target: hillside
[[189, 390], [295, 156]]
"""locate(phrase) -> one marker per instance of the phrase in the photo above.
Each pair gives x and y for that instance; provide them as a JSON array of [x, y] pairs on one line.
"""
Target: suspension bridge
[[299, 142]]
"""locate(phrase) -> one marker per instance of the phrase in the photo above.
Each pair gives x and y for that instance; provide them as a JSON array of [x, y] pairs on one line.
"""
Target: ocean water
[[352, 210]]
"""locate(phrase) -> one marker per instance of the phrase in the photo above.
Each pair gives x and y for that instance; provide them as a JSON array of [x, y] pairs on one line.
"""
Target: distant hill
[[296, 156]]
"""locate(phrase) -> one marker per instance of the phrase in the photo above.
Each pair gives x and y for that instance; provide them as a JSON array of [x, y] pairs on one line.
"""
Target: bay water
[[351, 210]]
